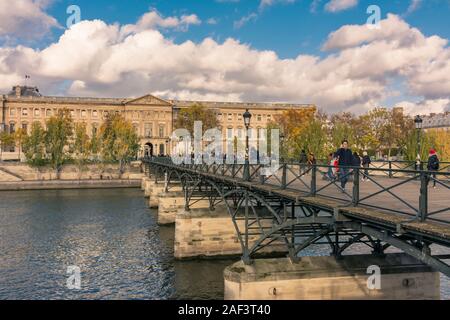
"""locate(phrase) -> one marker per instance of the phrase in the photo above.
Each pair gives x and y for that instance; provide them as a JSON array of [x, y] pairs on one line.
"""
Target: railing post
[[423, 199], [390, 169], [355, 198], [313, 180], [261, 176], [283, 177]]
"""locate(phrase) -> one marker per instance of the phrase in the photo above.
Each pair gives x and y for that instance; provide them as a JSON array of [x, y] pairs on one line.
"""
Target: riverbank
[[69, 184]]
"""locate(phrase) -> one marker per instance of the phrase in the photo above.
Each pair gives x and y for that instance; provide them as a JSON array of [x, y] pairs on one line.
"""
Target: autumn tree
[[342, 127], [81, 147], [293, 124], [34, 145], [187, 117], [19, 138], [6, 141], [59, 131], [119, 141]]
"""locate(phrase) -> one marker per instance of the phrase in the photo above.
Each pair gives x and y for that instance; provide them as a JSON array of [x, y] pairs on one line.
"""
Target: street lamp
[[282, 144], [247, 117], [418, 123]]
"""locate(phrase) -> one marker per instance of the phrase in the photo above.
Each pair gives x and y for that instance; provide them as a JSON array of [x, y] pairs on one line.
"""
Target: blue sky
[[234, 50], [286, 28]]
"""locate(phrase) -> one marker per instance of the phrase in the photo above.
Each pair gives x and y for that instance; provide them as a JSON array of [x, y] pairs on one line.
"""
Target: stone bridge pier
[[400, 277]]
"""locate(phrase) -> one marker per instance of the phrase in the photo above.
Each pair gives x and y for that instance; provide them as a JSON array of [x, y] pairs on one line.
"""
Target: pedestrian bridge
[[298, 206]]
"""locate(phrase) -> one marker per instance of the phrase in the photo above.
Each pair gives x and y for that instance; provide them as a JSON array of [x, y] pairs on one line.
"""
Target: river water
[[113, 238]]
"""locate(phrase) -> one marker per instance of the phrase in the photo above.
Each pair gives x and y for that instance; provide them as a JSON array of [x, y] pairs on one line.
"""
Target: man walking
[[345, 157], [433, 165]]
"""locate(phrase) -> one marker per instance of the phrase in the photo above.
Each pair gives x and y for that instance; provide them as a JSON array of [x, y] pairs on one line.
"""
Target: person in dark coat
[[366, 163], [433, 165], [345, 161], [303, 160]]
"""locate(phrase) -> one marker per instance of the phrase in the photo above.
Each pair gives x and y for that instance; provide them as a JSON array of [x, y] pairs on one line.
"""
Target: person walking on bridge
[[433, 165], [345, 156], [303, 160], [366, 163]]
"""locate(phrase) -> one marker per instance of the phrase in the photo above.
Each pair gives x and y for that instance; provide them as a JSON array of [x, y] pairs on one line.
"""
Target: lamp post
[[418, 123], [281, 146], [247, 117]]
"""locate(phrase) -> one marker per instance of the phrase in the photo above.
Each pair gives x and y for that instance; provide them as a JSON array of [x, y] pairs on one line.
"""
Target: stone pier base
[[325, 278], [154, 191], [202, 233], [171, 202], [144, 182]]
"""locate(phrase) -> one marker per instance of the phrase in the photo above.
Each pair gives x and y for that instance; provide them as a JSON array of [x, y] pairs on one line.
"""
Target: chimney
[[18, 91]]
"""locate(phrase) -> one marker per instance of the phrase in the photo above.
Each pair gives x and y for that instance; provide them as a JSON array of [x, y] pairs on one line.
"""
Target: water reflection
[[112, 236]]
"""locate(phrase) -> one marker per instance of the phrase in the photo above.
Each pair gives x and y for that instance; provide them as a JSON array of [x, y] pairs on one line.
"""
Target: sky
[[333, 53]]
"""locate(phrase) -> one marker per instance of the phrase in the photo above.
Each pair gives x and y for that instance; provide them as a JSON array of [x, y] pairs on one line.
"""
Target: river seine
[[111, 236]]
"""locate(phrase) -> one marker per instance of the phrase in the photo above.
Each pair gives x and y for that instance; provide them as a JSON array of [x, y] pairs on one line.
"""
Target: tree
[[6, 141], [441, 139], [315, 137], [119, 141], [196, 112], [342, 128], [293, 124], [59, 131], [19, 138], [81, 147], [34, 145]]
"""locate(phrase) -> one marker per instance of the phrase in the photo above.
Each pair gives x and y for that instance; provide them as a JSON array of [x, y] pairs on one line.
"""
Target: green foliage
[[34, 146], [59, 130], [119, 140], [6, 140], [196, 112], [81, 148]]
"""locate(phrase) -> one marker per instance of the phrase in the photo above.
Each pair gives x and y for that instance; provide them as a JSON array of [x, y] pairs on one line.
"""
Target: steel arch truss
[[264, 221]]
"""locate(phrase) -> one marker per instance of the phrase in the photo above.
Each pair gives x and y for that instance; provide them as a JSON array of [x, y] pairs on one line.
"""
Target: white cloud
[[103, 60], [340, 5], [153, 19], [413, 6], [25, 19]]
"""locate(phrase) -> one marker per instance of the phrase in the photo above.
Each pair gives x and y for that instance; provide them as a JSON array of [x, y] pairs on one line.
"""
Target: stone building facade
[[152, 117]]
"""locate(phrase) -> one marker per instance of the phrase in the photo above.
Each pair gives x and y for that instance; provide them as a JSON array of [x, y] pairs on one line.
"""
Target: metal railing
[[372, 188]]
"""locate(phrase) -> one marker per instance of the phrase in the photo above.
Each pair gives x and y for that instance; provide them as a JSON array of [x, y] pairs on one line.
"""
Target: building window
[[230, 133], [219, 116], [49, 113], [25, 127], [259, 118], [12, 127], [24, 112], [105, 114], [240, 117], [269, 117], [161, 131], [94, 114], [37, 112], [72, 113], [83, 113], [161, 149], [239, 133], [148, 130], [12, 112], [230, 117], [136, 128]]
